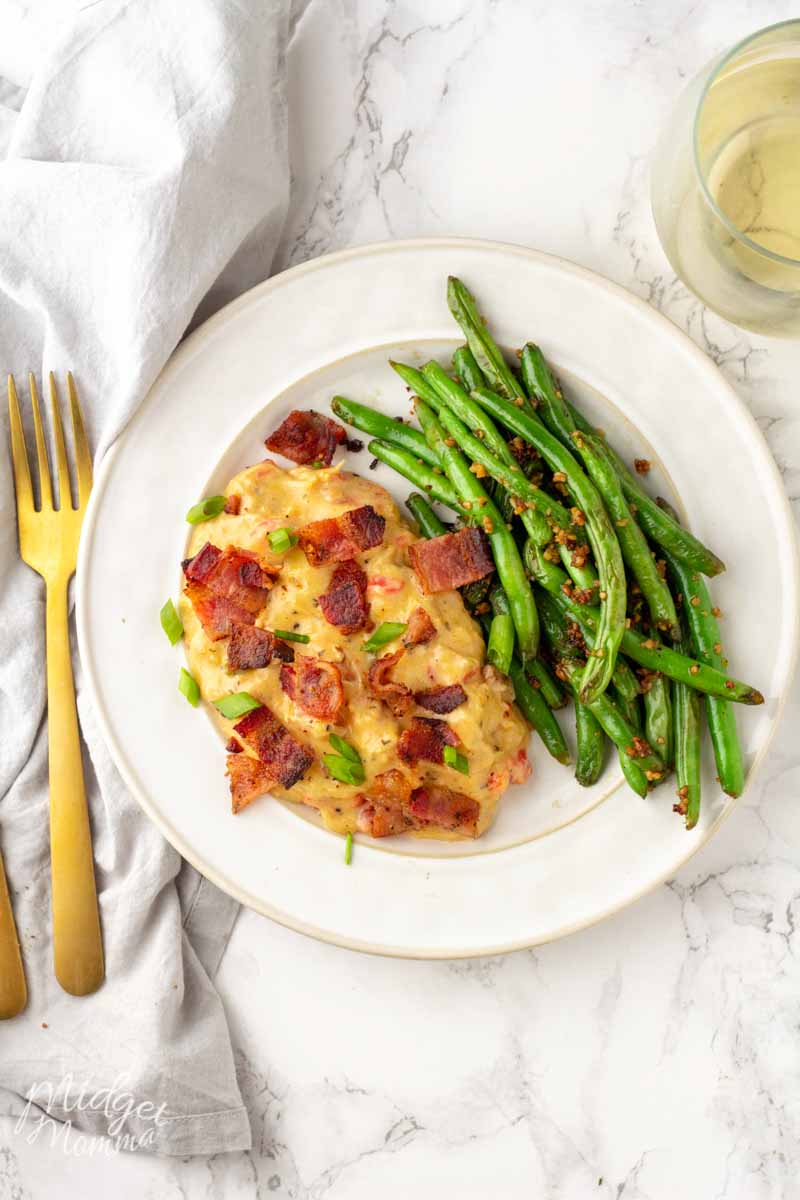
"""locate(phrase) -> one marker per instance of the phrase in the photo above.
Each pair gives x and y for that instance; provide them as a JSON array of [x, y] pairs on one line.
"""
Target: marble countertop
[[654, 1057]]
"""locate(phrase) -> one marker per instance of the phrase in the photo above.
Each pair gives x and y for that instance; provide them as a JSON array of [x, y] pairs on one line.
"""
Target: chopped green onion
[[344, 770], [348, 849], [236, 705], [385, 633], [171, 623], [317, 464], [282, 540], [458, 761], [345, 749], [206, 509], [286, 635], [187, 686]]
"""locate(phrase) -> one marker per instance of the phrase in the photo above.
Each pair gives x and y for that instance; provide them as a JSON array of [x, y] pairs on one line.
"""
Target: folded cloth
[[143, 180]]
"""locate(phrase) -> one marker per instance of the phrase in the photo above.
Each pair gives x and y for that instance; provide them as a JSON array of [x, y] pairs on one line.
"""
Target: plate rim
[[206, 331]]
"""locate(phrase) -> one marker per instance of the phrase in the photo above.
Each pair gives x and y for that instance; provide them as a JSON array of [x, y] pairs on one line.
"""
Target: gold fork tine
[[83, 455], [19, 453], [45, 491], [64, 492]]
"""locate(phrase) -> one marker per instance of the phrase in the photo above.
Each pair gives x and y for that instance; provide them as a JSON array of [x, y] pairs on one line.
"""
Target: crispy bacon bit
[[286, 759], [445, 808], [642, 465], [307, 437], [420, 628], [233, 505], [451, 560], [345, 602], [385, 810], [233, 747], [249, 779], [337, 539], [226, 588], [396, 696], [441, 699], [315, 686], [426, 739], [250, 648]]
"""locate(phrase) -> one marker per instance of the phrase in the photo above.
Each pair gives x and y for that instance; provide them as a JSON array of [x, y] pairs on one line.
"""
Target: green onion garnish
[[187, 686], [348, 849], [344, 748], [206, 509], [171, 623], [286, 635], [385, 633], [282, 540], [236, 705], [344, 770], [458, 761]]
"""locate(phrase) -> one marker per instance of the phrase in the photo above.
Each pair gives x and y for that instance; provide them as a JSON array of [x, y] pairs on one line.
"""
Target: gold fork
[[48, 542], [13, 992]]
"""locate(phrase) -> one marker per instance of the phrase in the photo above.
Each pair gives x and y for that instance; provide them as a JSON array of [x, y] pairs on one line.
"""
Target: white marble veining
[[656, 1056]]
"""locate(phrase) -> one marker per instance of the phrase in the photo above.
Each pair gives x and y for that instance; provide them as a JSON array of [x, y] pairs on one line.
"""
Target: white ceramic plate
[[559, 857]]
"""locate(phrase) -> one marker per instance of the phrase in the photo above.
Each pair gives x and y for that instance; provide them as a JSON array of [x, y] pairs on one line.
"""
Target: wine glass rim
[[732, 228]]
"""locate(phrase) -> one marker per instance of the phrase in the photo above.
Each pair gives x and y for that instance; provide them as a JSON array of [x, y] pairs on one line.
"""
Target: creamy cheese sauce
[[493, 732]]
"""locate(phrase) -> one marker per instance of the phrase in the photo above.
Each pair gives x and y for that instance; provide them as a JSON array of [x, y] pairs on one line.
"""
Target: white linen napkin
[[143, 183]]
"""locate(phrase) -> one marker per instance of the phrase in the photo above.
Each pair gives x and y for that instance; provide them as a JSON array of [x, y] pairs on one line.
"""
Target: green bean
[[636, 553], [599, 529], [500, 645], [617, 726], [687, 738], [416, 382], [388, 429], [634, 775], [657, 657], [455, 400], [466, 368], [534, 708], [705, 641], [591, 746], [504, 549], [429, 524], [420, 474], [630, 708], [541, 678], [487, 353], [541, 568], [659, 525], [657, 700]]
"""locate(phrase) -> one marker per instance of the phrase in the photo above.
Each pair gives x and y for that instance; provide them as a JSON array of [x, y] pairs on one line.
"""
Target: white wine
[[726, 184], [748, 143]]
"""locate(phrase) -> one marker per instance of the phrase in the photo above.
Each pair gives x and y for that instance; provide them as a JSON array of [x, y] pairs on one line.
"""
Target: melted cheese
[[493, 733]]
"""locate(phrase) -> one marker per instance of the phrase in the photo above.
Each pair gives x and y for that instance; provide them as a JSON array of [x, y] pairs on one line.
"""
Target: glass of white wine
[[726, 183]]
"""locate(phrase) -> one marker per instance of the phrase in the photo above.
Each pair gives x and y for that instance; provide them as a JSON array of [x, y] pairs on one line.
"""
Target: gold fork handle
[[13, 992], [77, 942]]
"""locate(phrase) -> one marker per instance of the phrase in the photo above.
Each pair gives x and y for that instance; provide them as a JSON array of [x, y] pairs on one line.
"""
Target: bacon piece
[[445, 808], [395, 695], [307, 437], [451, 560], [420, 628], [233, 747], [249, 779], [226, 588], [345, 602], [250, 648], [426, 739], [337, 539], [441, 699], [385, 810], [315, 686], [286, 759], [233, 505]]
